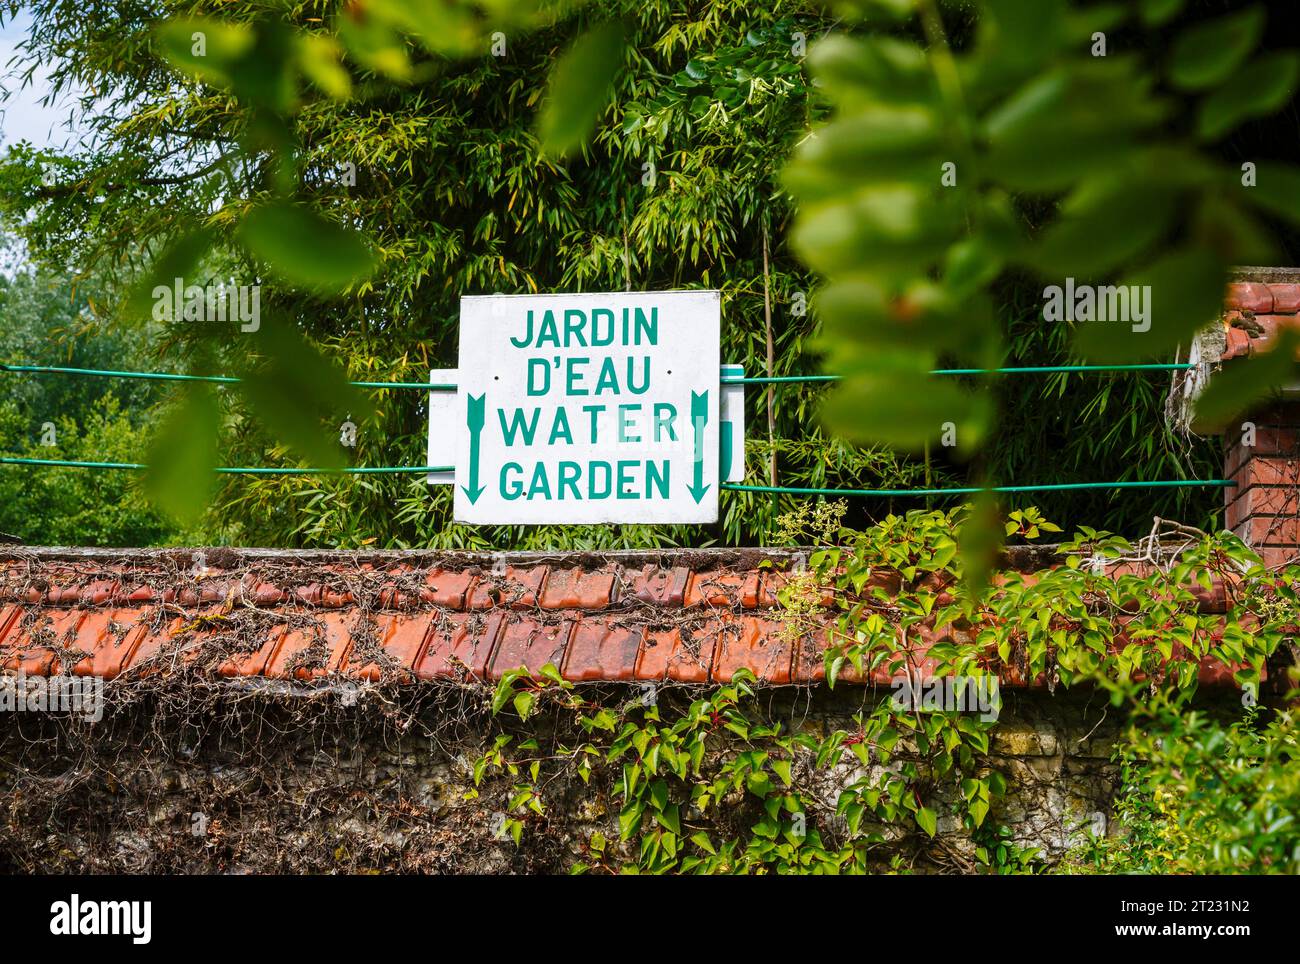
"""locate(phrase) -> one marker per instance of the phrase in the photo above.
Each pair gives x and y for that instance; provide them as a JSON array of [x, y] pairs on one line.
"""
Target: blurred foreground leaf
[[1206, 53], [305, 249], [296, 387], [180, 260], [979, 541], [1259, 89], [579, 89], [1182, 291], [183, 454]]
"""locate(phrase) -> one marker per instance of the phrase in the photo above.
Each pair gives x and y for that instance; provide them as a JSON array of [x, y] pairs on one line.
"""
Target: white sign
[[588, 408]]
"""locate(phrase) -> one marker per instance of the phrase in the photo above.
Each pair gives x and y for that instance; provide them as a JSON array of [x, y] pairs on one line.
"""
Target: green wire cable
[[217, 379], [737, 487], [1057, 487], [1016, 370], [238, 470], [733, 486], [757, 380]]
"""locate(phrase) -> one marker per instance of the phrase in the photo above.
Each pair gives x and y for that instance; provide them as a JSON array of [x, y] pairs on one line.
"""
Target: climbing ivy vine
[[718, 782]]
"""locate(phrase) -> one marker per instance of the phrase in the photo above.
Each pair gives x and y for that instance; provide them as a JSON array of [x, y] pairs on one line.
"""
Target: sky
[[22, 116]]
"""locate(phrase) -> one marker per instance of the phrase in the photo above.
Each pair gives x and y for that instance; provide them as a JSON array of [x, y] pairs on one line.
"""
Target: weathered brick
[[661, 587], [600, 651], [1249, 296], [460, 645], [530, 644], [758, 645], [723, 588], [684, 655], [1286, 298], [516, 588], [577, 588]]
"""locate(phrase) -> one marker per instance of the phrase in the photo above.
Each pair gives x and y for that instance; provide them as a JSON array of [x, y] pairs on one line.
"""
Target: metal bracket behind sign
[[443, 426], [731, 418]]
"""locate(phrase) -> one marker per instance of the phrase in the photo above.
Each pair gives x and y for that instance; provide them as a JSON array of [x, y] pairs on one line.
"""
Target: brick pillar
[[1264, 508]]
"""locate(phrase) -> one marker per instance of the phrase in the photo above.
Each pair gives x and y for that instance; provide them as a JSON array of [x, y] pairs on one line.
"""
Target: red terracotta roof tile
[[810, 660], [461, 646], [723, 588], [312, 652], [600, 651], [32, 644], [515, 588], [527, 643], [683, 654], [447, 588], [163, 648], [1286, 298], [579, 589], [660, 587], [761, 646], [111, 636], [1250, 296], [390, 644], [253, 662], [1254, 313], [445, 618]]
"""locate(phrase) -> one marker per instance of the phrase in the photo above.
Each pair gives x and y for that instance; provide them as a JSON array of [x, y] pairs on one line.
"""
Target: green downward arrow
[[474, 419], [699, 419]]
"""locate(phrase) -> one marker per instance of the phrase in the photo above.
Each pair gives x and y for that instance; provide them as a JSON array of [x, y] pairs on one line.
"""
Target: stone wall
[[366, 779]]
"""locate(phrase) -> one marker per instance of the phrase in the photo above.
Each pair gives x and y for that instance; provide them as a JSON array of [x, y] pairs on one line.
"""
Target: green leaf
[[204, 47], [782, 769], [701, 840], [927, 821], [181, 259], [373, 43], [629, 820], [1183, 292], [318, 58], [580, 88], [1070, 122], [1206, 53], [295, 389], [885, 228], [670, 818], [869, 71], [1257, 90], [1131, 215], [524, 702], [305, 249], [255, 62], [1028, 32], [1157, 12], [183, 454], [906, 410], [445, 29], [1276, 189], [878, 144], [504, 691]]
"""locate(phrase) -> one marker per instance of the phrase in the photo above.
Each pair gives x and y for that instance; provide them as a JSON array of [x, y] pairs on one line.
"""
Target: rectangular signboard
[[588, 408]]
